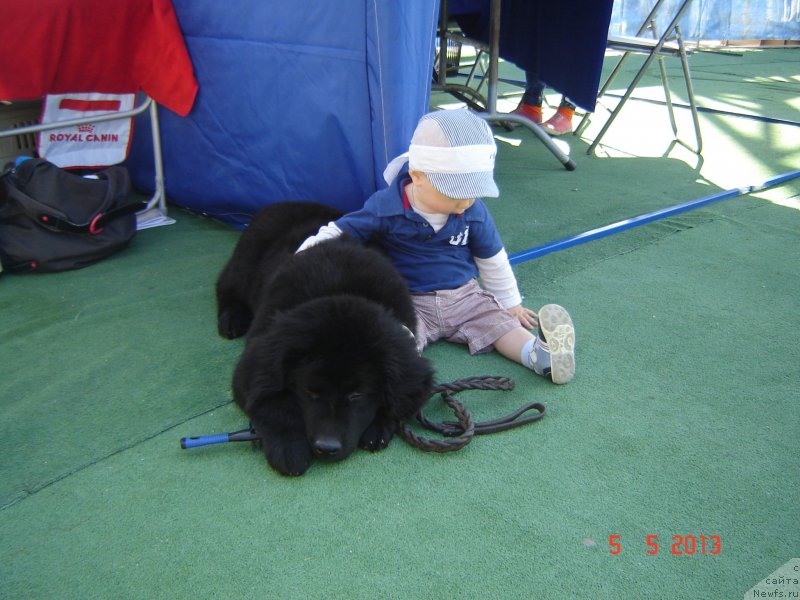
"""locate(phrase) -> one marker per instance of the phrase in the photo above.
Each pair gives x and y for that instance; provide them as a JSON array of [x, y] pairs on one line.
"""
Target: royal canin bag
[[53, 220]]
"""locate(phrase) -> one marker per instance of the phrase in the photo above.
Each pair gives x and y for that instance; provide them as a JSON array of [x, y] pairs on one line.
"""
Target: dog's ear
[[409, 384], [261, 372]]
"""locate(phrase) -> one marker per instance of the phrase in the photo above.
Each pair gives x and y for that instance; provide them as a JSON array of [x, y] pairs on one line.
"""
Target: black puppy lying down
[[330, 362]]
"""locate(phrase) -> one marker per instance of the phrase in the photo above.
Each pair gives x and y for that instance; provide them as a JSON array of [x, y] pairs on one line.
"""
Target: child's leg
[[521, 346], [551, 352], [472, 316], [512, 343], [428, 327]]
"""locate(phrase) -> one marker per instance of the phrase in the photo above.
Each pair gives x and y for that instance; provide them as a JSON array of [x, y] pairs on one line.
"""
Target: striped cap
[[456, 151]]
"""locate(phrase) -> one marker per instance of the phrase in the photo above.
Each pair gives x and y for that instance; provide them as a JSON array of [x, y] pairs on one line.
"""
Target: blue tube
[[204, 440], [606, 230], [244, 435]]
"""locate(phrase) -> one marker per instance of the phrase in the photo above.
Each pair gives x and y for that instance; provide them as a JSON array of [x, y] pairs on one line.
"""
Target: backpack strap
[[97, 222], [118, 185]]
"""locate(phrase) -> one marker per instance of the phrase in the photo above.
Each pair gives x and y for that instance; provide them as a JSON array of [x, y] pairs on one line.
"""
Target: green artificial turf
[[682, 420]]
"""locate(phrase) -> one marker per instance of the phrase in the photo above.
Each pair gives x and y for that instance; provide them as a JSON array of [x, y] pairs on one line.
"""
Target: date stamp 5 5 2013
[[679, 545]]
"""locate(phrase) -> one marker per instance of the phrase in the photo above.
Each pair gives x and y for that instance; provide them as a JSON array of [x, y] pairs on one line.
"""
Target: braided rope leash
[[461, 431]]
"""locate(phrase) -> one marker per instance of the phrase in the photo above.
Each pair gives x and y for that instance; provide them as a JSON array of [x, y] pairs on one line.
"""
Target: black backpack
[[53, 220]]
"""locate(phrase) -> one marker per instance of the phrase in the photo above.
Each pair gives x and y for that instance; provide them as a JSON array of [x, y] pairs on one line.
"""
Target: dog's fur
[[329, 362]]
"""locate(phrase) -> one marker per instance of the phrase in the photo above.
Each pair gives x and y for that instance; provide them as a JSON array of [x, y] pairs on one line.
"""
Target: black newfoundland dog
[[330, 362]]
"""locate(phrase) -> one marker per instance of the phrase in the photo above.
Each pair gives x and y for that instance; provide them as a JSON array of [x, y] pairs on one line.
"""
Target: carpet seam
[[32, 491]]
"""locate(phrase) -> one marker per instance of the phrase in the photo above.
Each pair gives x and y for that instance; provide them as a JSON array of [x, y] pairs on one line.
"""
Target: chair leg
[[693, 105], [471, 74], [479, 58], [628, 92], [649, 23], [667, 96], [687, 77], [159, 197], [612, 76]]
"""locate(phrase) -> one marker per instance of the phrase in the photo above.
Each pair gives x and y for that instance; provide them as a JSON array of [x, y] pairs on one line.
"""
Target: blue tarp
[[294, 103], [718, 19]]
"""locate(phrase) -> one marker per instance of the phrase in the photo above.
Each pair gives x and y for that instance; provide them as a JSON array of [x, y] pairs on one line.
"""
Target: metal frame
[[488, 105], [670, 43], [159, 198]]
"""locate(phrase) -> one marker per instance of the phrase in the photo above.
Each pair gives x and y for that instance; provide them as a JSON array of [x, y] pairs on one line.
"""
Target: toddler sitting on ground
[[441, 237]]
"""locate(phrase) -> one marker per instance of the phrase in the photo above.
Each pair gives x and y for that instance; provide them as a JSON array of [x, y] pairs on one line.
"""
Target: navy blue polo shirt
[[427, 260]]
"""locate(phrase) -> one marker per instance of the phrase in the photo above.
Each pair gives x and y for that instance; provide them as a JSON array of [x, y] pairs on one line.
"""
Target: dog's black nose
[[327, 447]]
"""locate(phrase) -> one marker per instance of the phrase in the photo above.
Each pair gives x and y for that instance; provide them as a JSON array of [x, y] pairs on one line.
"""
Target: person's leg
[[473, 316], [531, 104], [534, 89], [512, 343], [428, 325], [551, 352], [525, 348]]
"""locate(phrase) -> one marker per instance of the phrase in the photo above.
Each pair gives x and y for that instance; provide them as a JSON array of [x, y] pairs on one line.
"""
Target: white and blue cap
[[456, 151]]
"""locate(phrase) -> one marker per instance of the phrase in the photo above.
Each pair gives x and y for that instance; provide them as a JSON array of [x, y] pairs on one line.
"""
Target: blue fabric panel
[[400, 56], [293, 104]]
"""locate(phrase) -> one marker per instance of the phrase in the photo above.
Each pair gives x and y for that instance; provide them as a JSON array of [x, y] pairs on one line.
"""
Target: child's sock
[[536, 356]]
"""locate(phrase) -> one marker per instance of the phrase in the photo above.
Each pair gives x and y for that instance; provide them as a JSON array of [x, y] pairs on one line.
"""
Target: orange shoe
[[529, 111], [560, 123]]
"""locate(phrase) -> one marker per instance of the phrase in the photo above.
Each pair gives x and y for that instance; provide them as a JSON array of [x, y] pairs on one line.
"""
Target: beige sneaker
[[558, 333]]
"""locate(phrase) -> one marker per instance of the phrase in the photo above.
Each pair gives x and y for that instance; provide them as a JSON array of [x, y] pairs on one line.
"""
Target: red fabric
[[89, 105], [108, 46]]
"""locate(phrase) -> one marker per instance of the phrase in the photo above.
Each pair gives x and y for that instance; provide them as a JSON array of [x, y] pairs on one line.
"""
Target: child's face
[[428, 199]]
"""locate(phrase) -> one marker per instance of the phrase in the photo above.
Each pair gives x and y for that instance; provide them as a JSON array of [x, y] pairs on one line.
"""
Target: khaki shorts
[[466, 315]]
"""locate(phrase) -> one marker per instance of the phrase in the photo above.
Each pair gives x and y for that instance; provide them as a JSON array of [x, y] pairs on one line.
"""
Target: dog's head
[[345, 362]]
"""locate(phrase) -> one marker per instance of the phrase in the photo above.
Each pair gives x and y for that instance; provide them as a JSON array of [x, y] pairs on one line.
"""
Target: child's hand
[[527, 318]]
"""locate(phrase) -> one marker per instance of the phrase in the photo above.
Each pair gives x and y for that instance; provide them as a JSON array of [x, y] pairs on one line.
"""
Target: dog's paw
[[378, 435], [289, 457], [232, 324]]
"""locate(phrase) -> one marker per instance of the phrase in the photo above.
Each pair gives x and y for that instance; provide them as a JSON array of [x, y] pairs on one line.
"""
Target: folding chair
[[669, 43], [156, 207], [472, 91]]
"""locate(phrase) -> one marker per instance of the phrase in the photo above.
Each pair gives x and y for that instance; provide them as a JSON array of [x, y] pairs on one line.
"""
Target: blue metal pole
[[619, 226]]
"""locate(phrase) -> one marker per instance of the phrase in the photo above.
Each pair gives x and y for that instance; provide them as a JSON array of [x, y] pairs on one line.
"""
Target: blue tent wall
[[718, 19], [293, 104]]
